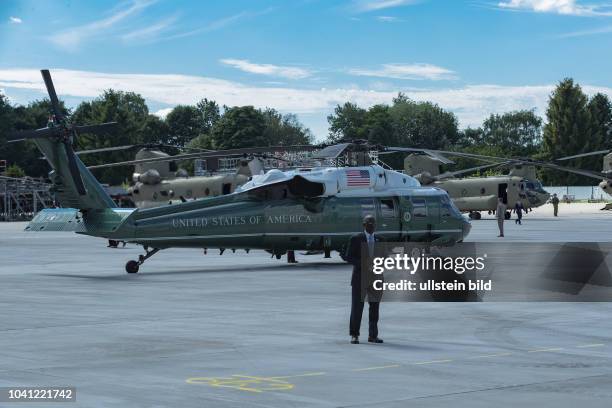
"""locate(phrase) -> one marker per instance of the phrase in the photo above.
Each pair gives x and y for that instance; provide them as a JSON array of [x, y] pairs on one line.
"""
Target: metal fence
[[579, 192], [21, 198]]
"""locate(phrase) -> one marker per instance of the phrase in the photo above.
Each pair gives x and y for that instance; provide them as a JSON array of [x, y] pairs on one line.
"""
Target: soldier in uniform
[[555, 202], [500, 213], [354, 256]]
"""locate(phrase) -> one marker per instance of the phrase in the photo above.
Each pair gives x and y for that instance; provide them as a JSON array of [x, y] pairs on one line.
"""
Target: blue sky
[[305, 56]]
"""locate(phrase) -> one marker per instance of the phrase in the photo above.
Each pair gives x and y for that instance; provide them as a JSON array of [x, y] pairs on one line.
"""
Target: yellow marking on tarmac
[[432, 362], [547, 350], [244, 383], [493, 355], [591, 345], [376, 368], [277, 383]]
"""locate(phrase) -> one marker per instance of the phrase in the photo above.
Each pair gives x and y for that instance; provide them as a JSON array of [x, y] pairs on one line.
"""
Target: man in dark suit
[[360, 279]]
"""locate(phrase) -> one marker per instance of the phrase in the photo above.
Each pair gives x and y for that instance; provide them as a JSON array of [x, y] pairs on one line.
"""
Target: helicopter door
[[502, 192], [388, 216], [227, 188]]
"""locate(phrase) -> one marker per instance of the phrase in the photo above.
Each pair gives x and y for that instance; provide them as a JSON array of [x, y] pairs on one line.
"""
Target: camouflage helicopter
[[528, 163], [279, 211], [476, 194], [162, 183], [158, 181]]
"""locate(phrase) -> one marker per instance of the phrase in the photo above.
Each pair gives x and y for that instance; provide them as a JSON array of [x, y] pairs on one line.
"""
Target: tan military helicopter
[[525, 166], [476, 194], [157, 180]]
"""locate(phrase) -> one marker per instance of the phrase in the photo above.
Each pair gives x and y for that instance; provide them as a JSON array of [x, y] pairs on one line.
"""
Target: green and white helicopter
[[303, 209]]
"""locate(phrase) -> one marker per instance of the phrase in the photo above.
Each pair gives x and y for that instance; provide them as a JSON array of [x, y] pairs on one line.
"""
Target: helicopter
[[158, 181], [476, 194], [278, 211]]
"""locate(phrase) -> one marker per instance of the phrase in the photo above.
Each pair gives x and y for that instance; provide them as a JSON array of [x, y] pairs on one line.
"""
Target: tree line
[[574, 124]]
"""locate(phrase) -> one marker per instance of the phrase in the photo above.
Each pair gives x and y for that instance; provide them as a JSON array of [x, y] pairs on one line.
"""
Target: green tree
[[210, 113], [185, 122], [600, 110], [378, 126], [131, 113], [284, 130], [240, 126], [423, 124], [567, 131], [155, 130], [347, 122], [516, 133], [14, 171]]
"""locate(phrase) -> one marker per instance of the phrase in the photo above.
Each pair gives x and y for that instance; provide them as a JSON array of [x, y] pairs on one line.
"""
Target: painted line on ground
[[259, 384]]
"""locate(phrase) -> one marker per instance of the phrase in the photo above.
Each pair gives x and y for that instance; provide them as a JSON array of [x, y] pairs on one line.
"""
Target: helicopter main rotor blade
[[213, 153], [52, 95], [432, 153], [104, 149], [584, 155], [97, 129], [467, 171], [33, 134]]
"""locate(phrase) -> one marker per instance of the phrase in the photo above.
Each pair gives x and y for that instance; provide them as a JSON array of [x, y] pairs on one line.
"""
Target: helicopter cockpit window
[[419, 208], [387, 208], [448, 208]]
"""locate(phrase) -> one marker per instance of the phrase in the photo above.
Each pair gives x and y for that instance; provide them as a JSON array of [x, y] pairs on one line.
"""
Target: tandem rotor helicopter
[[476, 194], [158, 181], [311, 209]]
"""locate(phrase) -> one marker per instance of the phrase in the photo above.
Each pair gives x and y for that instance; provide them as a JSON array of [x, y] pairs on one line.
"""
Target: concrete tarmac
[[245, 330]]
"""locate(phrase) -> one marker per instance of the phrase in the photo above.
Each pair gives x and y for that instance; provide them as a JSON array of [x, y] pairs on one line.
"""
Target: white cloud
[[221, 23], [162, 113], [373, 5], [71, 38], [15, 20], [150, 32], [471, 103], [407, 71], [387, 19], [595, 31], [566, 7], [267, 69]]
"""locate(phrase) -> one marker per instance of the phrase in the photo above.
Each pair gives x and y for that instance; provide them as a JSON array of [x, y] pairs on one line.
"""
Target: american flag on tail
[[357, 178]]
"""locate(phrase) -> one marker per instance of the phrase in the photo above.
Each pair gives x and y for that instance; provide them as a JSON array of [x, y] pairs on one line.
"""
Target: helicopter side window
[[419, 208], [367, 207], [387, 208]]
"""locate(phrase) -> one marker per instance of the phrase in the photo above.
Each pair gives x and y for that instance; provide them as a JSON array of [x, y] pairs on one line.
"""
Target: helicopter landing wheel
[[475, 215], [132, 267]]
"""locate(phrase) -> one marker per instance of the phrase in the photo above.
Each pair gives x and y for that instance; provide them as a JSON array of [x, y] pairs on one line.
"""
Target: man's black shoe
[[354, 340], [375, 340]]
